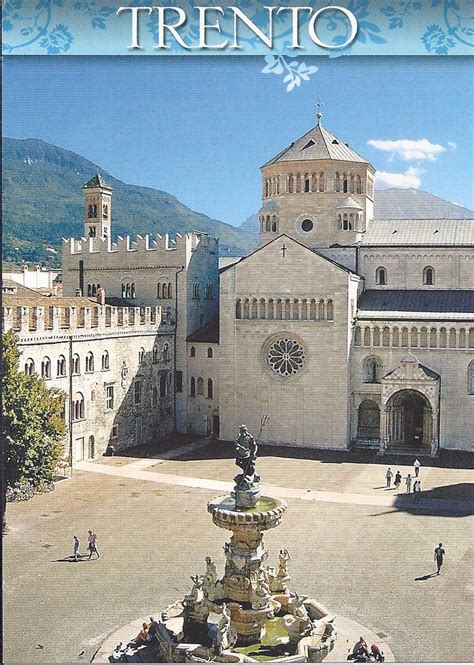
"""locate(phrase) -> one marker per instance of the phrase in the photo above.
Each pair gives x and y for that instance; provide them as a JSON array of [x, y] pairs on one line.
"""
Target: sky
[[200, 127]]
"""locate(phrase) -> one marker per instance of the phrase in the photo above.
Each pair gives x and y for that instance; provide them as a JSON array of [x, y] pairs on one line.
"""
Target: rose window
[[285, 357]]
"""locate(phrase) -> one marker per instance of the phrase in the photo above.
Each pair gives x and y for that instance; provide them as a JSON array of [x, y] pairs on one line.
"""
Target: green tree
[[32, 424]]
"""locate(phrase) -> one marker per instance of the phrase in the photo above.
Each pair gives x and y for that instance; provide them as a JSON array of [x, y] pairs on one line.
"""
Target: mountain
[[42, 202], [399, 204]]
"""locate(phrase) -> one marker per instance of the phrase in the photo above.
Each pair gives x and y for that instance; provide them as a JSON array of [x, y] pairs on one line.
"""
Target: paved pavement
[[365, 555]]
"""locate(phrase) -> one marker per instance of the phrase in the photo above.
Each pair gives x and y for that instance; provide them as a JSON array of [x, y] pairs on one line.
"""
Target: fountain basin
[[266, 514]]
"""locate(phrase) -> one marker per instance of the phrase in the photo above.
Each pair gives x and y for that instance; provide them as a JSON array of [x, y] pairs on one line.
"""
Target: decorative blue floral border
[[386, 27]]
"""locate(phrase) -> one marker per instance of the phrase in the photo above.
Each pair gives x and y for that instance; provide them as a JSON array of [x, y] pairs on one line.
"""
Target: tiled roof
[[318, 144], [96, 181], [32, 298], [419, 304], [419, 232], [208, 333]]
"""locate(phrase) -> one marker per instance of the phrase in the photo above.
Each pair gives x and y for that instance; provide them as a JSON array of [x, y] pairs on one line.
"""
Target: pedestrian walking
[[398, 480], [439, 556], [408, 480], [417, 490], [389, 476], [417, 465], [77, 546], [92, 538]]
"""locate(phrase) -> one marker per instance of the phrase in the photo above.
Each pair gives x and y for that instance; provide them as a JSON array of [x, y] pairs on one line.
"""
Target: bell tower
[[318, 191], [97, 208]]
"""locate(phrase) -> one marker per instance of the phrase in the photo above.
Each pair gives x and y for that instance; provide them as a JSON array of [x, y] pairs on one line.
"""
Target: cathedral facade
[[340, 330]]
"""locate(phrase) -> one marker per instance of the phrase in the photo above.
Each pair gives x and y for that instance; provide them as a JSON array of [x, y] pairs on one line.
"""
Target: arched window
[[376, 336], [76, 364], [209, 388], [90, 362], [209, 352], [291, 185], [141, 355], [321, 310], [192, 352], [351, 185], [274, 224], [337, 183], [271, 309], [253, 312], [386, 336], [166, 352], [200, 386], [91, 447], [94, 289], [470, 378], [358, 336], [395, 337], [452, 338], [262, 311], [414, 337], [381, 276], [155, 355], [158, 290], [321, 182], [124, 290], [462, 338], [30, 367], [133, 293], [238, 309], [443, 338], [279, 309], [78, 407], [193, 387], [46, 368], [170, 290], [89, 290], [306, 183], [424, 337], [428, 276], [367, 336], [105, 360], [372, 369], [344, 182], [61, 366], [359, 185], [405, 337]]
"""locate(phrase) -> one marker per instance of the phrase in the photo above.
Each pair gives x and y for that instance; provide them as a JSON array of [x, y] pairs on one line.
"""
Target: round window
[[285, 356], [307, 225]]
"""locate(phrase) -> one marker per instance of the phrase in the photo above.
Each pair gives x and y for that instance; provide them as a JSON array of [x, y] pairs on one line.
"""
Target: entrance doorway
[[215, 426], [79, 449], [409, 420]]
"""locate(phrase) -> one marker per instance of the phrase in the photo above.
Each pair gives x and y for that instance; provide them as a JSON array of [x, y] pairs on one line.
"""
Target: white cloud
[[452, 145], [411, 178], [409, 150]]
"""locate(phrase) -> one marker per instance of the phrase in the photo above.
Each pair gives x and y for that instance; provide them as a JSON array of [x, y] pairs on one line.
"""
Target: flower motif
[[437, 41], [58, 40], [285, 357]]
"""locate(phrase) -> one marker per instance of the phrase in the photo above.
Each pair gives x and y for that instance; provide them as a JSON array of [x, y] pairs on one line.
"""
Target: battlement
[[66, 320], [182, 244]]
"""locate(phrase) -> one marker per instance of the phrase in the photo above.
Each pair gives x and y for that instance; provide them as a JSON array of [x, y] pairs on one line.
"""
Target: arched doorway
[[368, 420], [409, 420], [91, 447]]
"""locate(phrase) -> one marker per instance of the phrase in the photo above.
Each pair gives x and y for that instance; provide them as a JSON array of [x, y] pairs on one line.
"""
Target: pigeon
[[82, 653], [39, 646]]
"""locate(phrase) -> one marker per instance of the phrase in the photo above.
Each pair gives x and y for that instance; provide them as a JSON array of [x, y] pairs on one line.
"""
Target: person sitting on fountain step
[[360, 649], [142, 636], [152, 630], [376, 655]]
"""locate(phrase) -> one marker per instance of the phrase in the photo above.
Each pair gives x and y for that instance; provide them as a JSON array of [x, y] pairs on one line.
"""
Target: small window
[[114, 431], [192, 352], [138, 392], [78, 407], [29, 367], [307, 225], [76, 364], [196, 295], [381, 276], [46, 368], [209, 352], [141, 356], [210, 389], [166, 352], [372, 370], [193, 387], [61, 366], [105, 361], [200, 386], [90, 362], [155, 355], [109, 398], [179, 381], [428, 276], [155, 396]]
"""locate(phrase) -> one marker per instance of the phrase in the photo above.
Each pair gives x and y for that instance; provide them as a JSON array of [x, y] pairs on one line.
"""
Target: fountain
[[250, 614]]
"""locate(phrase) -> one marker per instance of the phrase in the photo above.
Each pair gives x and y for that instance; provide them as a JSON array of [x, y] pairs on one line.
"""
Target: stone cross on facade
[[284, 250]]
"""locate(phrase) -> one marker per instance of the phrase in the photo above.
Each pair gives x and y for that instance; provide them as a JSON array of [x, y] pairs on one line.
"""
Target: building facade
[[343, 329]]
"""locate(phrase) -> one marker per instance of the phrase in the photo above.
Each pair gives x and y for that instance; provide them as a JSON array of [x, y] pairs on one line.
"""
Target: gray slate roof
[[318, 143], [419, 232], [419, 304]]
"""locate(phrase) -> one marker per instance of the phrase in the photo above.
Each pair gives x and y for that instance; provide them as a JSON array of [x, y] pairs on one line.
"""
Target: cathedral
[[339, 331]]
